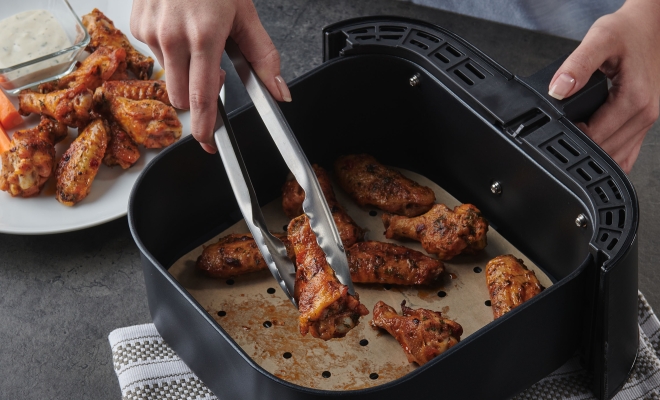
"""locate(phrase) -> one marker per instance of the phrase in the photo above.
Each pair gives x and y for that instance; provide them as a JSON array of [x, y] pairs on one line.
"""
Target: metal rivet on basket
[[414, 80], [581, 221], [326, 374], [496, 188]]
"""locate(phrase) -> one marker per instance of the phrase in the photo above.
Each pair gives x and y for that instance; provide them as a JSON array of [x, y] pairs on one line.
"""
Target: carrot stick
[[9, 116], [5, 143]]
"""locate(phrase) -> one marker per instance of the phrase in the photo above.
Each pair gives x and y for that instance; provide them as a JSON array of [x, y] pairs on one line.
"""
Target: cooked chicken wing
[[71, 107], [148, 122], [423, 334], [134, 90], [326, 309], [80, 163], [379, 262], [369, 182], [293, 196], [97, 68], [102, 32], [442, 231], [122, 150], [235, 254], [510, 284], [30, 161]]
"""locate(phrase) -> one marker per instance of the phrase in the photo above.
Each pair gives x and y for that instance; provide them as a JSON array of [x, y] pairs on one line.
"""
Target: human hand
[[188, 38], [624, 46]]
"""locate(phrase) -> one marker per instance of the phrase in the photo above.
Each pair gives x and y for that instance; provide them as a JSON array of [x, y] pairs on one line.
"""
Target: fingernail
[[284, 89], [563, 85]]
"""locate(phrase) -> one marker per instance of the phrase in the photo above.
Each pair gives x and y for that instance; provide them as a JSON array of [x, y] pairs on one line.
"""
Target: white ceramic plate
[[111, 189]]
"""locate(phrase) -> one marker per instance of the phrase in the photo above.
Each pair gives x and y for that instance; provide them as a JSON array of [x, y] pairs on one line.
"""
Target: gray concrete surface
[[61, 295]]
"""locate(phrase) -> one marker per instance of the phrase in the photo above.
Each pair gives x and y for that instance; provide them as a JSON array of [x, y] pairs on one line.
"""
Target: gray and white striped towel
[[148, 369]]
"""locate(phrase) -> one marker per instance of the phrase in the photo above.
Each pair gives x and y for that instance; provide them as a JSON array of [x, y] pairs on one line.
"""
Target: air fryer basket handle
[[580, 106]]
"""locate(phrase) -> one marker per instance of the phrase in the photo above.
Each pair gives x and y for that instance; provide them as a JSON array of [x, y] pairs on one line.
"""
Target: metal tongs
[[315, 206]]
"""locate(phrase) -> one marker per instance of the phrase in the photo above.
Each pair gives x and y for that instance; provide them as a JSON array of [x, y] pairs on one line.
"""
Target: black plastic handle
[[580, 106]]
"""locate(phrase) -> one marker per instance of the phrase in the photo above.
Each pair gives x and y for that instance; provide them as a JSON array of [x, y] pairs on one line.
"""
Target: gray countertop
[[61, 295]]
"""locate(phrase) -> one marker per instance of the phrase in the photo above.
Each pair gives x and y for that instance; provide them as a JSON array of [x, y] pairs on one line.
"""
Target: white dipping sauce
[[29, 35]]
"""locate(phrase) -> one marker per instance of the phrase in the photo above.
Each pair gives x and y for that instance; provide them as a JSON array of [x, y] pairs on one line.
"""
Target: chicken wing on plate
[[235, 254], [80, 163], [150, 123], [134, 90], [369, 182], [122, 150], [97, 68], [102, 32], [30, 161], [442, 231], [326, 309], [293, 196], [510, 284], [380, 262], [71, 107], [423, 334]]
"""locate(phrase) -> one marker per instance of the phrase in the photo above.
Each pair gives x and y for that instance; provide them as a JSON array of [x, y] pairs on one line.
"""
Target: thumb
[[259, 50], [575, 72]]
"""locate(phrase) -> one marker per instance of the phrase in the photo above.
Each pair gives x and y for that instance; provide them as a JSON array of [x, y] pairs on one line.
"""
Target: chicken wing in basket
[[510, 284], [423, 334], [326, 308], [442, 231], [380, 262], [369, 182], [235, 254]]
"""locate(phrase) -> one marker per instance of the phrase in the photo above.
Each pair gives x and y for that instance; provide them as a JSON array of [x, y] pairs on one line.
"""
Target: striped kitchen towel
[[148, 369]]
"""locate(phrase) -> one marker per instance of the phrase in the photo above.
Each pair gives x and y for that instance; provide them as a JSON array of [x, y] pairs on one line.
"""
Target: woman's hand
[[188, 38], [625, 46]]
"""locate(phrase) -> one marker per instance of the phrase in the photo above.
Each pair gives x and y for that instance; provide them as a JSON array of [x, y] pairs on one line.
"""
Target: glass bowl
[[50, 66]]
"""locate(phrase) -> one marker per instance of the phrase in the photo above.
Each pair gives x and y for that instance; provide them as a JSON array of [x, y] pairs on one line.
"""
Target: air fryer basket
[[418, 97]]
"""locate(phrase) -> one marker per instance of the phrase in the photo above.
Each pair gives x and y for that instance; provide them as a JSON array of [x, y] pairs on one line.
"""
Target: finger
[[259, 50], [596, 47], [618, 109], [206, 78], [623, 146], [176, 61]]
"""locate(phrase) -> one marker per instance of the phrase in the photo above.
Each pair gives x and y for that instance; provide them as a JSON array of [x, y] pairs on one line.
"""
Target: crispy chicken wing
[[97, 68], [134, 90], [423, 334], [71, 107], [326, 309], [150, 123], [30, 161], [369, 182], [80, 163], [510, 284], [379, 262], [235, 254], [442, 231], [102, 32], [122, 150], [293, 196]]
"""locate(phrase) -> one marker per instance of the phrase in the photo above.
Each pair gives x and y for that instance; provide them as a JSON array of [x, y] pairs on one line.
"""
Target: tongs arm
[[314, 205], [271, 248]]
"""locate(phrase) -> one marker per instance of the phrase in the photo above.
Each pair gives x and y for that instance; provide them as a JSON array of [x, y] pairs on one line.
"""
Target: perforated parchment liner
[[257, 315]]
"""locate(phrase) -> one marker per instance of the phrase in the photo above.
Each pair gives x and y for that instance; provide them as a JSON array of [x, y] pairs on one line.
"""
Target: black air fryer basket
[[419, 97]]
